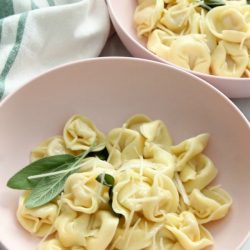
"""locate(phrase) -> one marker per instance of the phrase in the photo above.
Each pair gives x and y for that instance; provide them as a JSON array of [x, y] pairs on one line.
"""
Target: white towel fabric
[[37, 35]]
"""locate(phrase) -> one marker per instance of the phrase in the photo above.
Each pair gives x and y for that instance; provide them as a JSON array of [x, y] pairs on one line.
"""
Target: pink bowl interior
[[122, 12], [108, 91]]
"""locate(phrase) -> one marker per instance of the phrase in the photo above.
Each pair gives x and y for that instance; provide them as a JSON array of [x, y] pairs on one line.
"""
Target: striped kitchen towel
[[37, 35]]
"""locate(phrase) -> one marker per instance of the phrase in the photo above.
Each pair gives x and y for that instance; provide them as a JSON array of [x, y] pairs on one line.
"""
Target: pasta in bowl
[[153, 177], [210, 42], [95, 202]]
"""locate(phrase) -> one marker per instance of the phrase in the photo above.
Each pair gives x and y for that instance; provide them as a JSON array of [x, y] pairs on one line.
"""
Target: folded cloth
[[37, 35]]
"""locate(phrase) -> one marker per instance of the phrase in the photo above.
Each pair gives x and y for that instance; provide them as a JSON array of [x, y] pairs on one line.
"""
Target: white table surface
[[114, 47]]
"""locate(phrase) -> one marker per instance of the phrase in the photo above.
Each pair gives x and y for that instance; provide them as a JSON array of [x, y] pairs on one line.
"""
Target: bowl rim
[[138, 60], [128, 59], [159, 59]]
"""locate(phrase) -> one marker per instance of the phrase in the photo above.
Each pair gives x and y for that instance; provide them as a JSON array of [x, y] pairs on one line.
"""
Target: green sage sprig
[[46, 177], [48, 164], [210, 4], [108, 181]]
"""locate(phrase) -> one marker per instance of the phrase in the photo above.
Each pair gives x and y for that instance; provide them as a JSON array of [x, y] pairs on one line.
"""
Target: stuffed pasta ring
[[82, 192], [52, 146], [188, 232], [227, 23], [147, 14], [191, 52], [37, 221], [143, 189], [176, 17], [80, 134], [89, 231], [210, 204], [229, 59]]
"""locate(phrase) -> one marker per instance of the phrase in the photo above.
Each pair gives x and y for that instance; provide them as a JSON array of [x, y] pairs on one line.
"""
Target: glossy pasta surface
[[161, 197], [213, 40]]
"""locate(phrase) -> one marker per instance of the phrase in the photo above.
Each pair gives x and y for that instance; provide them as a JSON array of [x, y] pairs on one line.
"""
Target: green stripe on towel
[[1, 27], [33, 5], [51, 2], [6, 8], [14, 51]]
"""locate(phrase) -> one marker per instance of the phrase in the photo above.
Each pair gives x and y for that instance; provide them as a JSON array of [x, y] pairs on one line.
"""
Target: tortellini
[[128, 238], [157, 133], [141, 188], [147, 14], [37, 221], [176, 17], [155, 236], [228, 23], [154, 132], [210, 39], [189, 233], [180, 18], [148, 193], [229, 59], [210, 204], [163, 239], [164, 160], [90, 231], [195, 169], [135, 121], [52, 244], [211, 42], [72, 228], [194, 24], [52, 146], [245, 11], [201, 175], [191, 52], [188, 149], [127, 143], [83, 193], [124, 144], [80, 134], [159, 42]]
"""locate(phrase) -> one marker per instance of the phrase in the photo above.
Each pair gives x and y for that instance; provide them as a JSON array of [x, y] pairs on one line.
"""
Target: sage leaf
[[51, 186], [102, 155], [214, 3], [43, 166], [46, 177], [20, 179], [109, 181], [204, 6], [111, 202], [46, 190], [106, 179], [210, 4]]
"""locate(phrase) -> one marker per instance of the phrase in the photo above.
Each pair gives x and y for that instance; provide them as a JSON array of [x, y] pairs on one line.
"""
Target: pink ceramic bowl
[[122, 12], [109, 90]]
